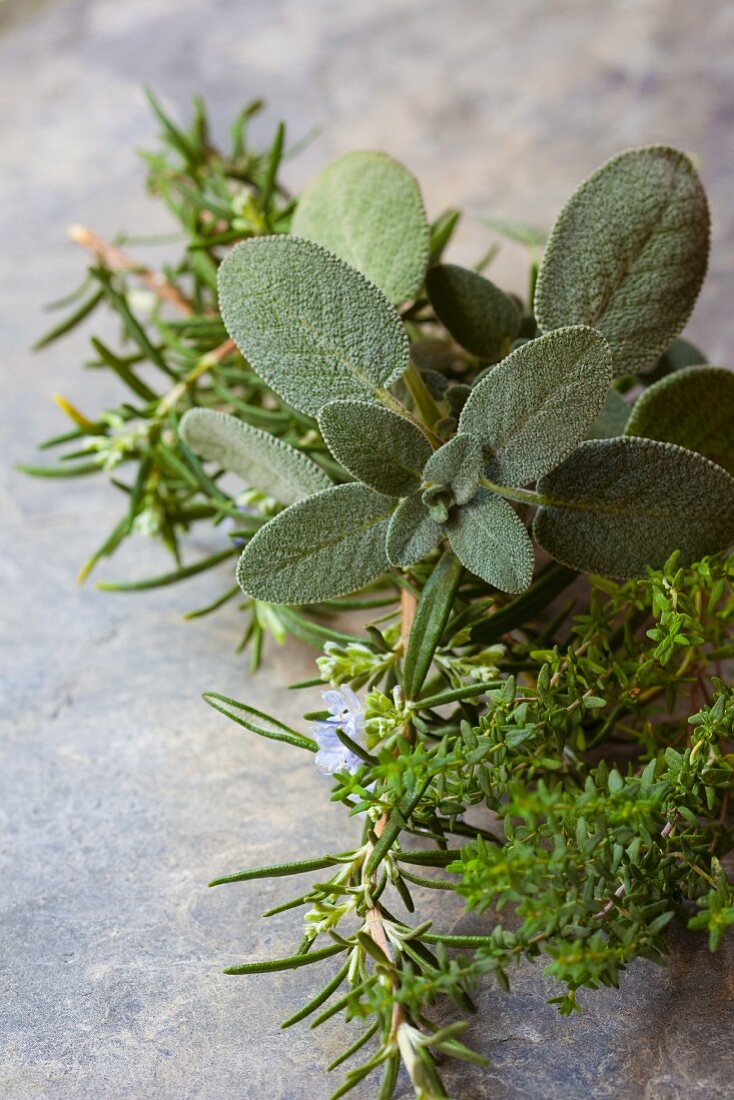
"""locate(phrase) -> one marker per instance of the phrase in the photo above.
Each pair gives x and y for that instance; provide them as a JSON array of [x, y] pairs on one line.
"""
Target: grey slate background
[[121, 792]]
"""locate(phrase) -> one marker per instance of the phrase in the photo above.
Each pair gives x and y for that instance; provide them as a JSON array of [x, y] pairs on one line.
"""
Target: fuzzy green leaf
[[618, 505], [612, 420], [367, 208], [377, 446], [490, 539], [694, 408], [478, 314], [452, 475], [327, 545], [262, 460], [539, 402], [412, 533], [628, 254], [309, 324]]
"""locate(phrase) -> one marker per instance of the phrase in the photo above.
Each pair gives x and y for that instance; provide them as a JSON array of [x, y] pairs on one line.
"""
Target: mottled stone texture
[[122, 792]]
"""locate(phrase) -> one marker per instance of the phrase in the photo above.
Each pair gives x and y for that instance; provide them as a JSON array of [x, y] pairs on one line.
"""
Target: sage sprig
[[321, 333]]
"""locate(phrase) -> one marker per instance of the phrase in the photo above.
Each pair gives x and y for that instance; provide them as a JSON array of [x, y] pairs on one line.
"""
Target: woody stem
[[114, 258]]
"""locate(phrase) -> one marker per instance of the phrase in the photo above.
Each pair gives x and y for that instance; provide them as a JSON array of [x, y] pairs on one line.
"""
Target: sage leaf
[[327, 545], [412, 532], [538, 403], [628, 254], [262, 460], [310, 325], [381, 448], [618, 505], [367, 208], [612, 420], [694, 408], [490, 540], [479, 316], [451, 475]]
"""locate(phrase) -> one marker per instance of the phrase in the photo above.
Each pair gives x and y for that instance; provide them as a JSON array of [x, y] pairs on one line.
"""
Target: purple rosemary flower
[[345, 714]]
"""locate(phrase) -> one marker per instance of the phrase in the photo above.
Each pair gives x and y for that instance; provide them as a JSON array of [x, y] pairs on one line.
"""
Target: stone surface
[[122, 793]]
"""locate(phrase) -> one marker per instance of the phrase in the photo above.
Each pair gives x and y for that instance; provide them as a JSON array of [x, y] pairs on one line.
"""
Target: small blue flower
[[347, 715]]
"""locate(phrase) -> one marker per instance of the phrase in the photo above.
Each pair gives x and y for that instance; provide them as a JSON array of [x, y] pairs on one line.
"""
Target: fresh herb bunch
[[483, 471]]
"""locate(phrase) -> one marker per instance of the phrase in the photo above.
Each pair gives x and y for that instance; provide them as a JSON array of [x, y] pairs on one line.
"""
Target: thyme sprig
[[582, 862]]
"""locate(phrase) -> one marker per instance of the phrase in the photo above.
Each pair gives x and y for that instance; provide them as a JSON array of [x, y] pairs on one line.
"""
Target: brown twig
[[113, 257], [408, 604], [375, 927], [374, 923], [618, 893]]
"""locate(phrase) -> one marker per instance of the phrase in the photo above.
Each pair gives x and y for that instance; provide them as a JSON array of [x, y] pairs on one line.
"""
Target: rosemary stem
[[374, 923], [113, 257]]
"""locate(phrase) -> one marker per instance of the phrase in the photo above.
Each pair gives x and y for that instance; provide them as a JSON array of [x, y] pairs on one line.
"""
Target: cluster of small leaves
[[579, 860], [597, 863]]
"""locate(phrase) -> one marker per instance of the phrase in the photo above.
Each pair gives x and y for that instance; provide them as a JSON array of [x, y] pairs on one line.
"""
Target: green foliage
[[680, 354], [537, 405], [577, 718], [613, 418], [263, 461], [478, 314], [717, 908], [412, 533], [324, 546], [452, 475], [694, 408], [490, 540], [586, 861], [257, 722], [380, 448], [617, 505], [431, 616], [367, 208], [311, 326], [172, 353], [643, 219], [324, 340]]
